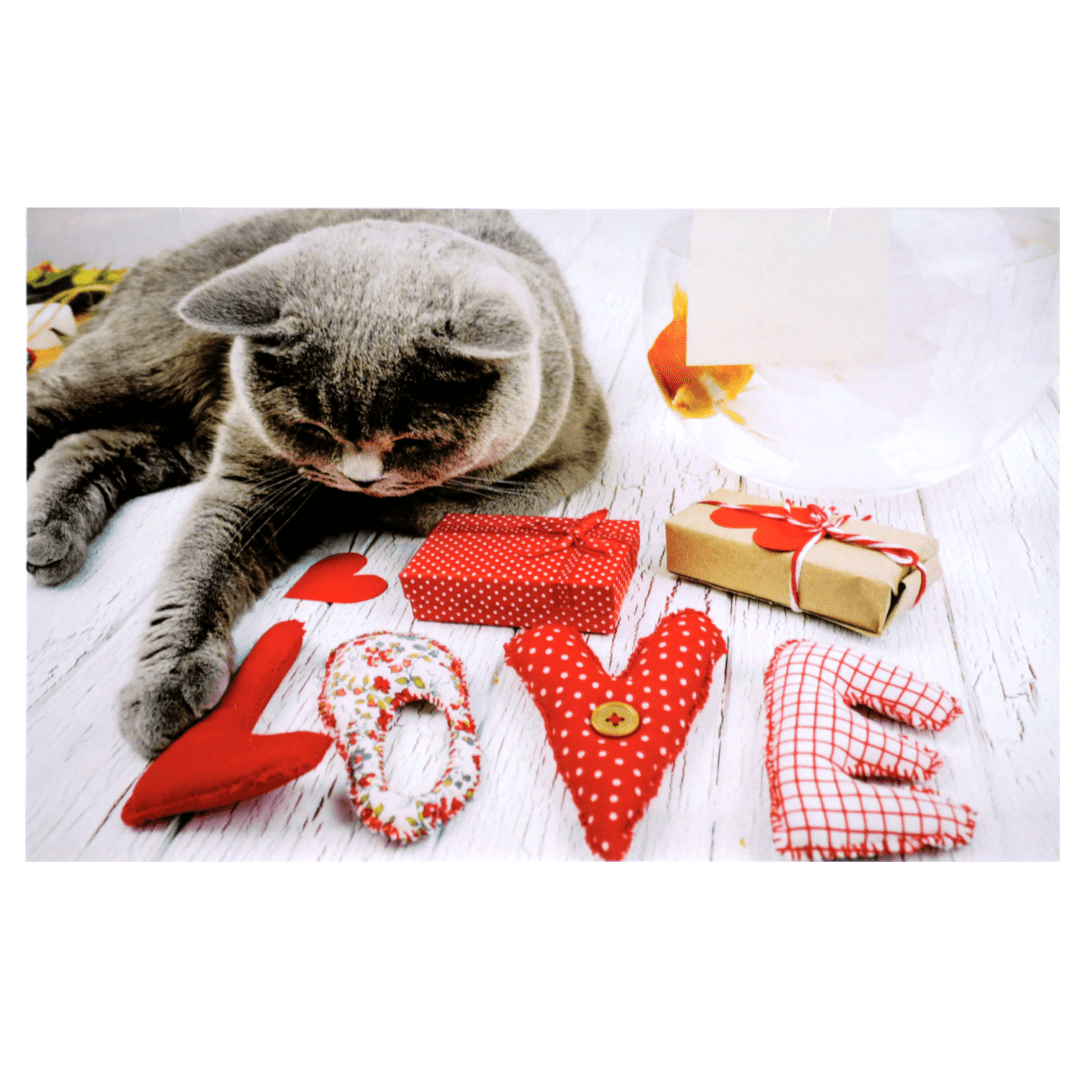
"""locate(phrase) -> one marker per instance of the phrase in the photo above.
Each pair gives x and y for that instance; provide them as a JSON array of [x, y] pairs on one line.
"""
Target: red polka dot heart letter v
[[818, 745], [614, 737]]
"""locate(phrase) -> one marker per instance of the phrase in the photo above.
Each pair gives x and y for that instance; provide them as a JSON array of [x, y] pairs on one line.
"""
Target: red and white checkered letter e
[[820, 752]]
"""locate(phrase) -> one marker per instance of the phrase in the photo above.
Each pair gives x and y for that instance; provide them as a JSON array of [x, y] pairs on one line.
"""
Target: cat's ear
[[494, 317], [244, 300]]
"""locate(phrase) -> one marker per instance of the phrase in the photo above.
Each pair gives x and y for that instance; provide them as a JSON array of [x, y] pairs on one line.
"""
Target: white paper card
[[799, 288]]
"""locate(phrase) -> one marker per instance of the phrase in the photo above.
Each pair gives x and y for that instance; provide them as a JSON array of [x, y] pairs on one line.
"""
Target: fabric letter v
[[612, 777]]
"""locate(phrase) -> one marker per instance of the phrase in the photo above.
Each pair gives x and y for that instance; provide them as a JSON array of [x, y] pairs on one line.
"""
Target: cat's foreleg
[[110, 377], [85, 389], [240, 535], [79, 483]]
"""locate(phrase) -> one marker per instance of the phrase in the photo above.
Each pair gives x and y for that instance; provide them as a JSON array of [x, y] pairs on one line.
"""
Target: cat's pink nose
[[361, 466]]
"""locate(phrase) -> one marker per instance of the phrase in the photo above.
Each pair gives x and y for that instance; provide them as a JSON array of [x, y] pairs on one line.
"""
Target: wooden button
[[615, 719]]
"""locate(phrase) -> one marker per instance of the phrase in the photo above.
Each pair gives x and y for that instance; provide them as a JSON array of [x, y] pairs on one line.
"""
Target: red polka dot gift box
[[507, 570]]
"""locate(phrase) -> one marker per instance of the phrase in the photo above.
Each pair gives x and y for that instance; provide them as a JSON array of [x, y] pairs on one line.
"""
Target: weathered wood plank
[[1000, 523]]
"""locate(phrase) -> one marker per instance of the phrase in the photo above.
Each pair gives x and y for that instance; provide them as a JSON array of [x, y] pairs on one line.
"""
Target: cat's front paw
[[167, 696], [55, 549]]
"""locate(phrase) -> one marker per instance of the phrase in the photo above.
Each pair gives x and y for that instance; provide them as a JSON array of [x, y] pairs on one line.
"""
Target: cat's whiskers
[[256, 523], [492, 481], [278, 479], [256, 518], [492, 486], [327, 477], [300, 495], [299, 506], [268, 502]]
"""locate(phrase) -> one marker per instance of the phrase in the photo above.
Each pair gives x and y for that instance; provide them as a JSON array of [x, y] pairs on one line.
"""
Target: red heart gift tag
[[613, 777], [337, 580], [769, 533], [219, 762]]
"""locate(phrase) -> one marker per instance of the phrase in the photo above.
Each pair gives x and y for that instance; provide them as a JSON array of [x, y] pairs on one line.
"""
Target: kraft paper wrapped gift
[[505, 570], [855, 586]]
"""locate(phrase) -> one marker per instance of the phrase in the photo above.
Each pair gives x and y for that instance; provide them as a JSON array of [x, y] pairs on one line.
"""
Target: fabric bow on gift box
[[582, 535]]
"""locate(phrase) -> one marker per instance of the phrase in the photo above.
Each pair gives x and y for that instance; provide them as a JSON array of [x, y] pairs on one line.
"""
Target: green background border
[[515, 970]]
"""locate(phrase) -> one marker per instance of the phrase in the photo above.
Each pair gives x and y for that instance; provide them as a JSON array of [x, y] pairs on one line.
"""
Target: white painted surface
[[989, 634]]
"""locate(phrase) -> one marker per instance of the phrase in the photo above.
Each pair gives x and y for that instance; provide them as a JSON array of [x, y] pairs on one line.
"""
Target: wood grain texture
[[988, 633]]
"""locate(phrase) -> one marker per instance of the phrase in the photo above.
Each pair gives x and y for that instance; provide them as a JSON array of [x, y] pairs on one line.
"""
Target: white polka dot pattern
[[612, 780], [505, 570], [818, 745]]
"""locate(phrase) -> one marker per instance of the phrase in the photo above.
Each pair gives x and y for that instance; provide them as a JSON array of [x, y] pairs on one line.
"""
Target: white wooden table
[[989, 634]]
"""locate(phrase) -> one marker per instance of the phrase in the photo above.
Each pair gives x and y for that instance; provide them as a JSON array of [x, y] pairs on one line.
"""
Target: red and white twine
[[826, 524]]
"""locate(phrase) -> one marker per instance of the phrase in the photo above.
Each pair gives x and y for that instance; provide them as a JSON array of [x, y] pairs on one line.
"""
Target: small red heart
[[335, 580], [612, 780], [769, 533], [219, 762]]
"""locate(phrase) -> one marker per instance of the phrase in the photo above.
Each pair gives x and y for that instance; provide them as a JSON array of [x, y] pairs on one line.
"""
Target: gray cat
[[322, 370]]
